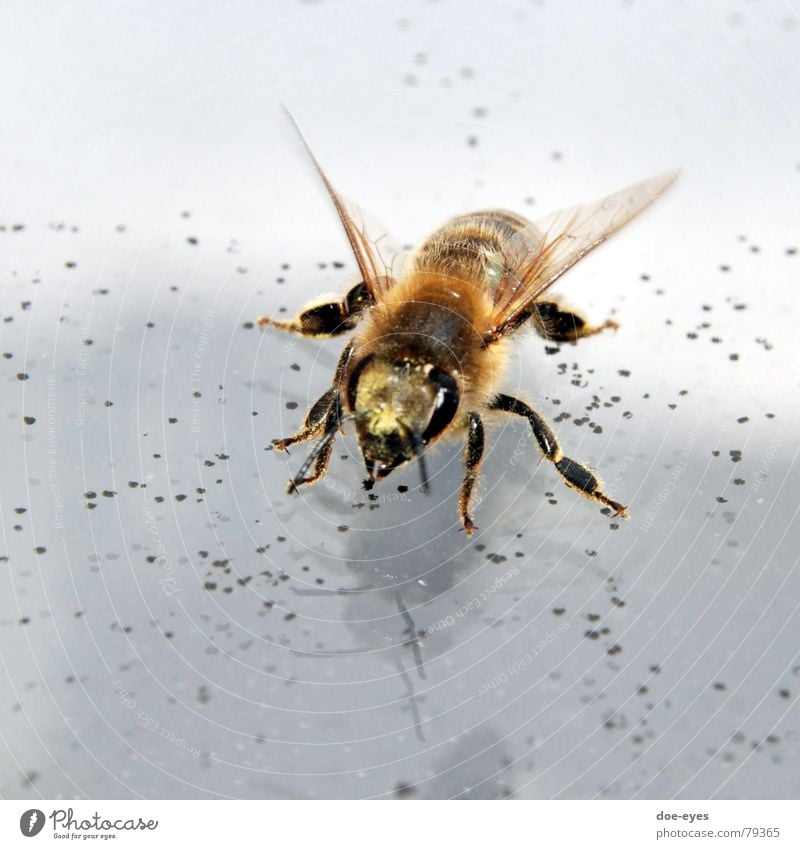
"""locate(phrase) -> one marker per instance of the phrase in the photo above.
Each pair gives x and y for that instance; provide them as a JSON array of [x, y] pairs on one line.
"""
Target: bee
[[427, 357]]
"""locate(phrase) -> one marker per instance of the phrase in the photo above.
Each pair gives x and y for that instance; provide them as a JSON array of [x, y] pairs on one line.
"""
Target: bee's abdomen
[[470, 245]]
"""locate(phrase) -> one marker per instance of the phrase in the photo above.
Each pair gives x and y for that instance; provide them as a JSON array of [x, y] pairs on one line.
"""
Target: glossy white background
[[226, 640]]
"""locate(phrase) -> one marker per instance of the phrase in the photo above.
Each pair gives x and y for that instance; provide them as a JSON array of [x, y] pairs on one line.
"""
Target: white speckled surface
[[173, 625]]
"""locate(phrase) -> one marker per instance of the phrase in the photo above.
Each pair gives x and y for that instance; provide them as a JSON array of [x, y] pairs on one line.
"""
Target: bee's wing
[[387, 253], [367, 240], [540, 253]]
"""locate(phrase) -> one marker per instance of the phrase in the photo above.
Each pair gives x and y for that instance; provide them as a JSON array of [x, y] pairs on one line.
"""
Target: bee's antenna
[[417, 446]]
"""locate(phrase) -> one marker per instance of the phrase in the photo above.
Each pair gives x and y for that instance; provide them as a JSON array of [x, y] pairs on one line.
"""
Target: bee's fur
[[430, 347], [437, 320]]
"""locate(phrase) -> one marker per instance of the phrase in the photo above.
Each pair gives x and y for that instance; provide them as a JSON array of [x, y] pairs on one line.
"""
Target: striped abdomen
[[471, 247]]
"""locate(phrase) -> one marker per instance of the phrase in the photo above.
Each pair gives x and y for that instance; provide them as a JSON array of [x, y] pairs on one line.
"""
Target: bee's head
[[399, 407]]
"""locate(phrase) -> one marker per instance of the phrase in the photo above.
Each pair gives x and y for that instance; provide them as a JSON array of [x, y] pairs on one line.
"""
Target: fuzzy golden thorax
[[439, 320]]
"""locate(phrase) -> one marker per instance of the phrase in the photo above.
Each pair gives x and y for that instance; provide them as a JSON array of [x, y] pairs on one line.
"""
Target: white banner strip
[[393, 825]]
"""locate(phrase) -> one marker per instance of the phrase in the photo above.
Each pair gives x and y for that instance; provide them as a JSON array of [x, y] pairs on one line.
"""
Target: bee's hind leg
[[473, 454], [575, 474], [556, 323], [325, 318]]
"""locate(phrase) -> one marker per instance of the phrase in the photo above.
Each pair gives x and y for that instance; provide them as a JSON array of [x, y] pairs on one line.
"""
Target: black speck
[[404, 791], [22, 376]]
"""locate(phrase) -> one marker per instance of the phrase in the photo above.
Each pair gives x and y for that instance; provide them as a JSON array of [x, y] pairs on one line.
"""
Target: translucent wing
[[540, 253], [387, 253], [374, 253]]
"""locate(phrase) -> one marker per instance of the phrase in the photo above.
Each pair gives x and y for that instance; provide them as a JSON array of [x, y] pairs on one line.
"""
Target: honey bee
[[430, 344]]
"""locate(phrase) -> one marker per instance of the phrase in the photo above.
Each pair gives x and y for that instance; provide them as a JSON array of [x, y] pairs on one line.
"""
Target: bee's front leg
[[322, 420], [574, 474], [321, 455], [317, 416], [473, 454], [325, 318], [314, 423]]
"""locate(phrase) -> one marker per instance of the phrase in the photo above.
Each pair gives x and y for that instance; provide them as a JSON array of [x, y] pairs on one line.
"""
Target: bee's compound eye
[[445, 405]]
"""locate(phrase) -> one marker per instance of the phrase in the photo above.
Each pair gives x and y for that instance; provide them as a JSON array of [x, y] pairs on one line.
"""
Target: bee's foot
[[620, 510], [468, 526]]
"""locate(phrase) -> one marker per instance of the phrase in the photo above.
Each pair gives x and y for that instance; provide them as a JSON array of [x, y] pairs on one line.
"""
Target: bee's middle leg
[[574, 474], [556, 323], [473, 454]]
